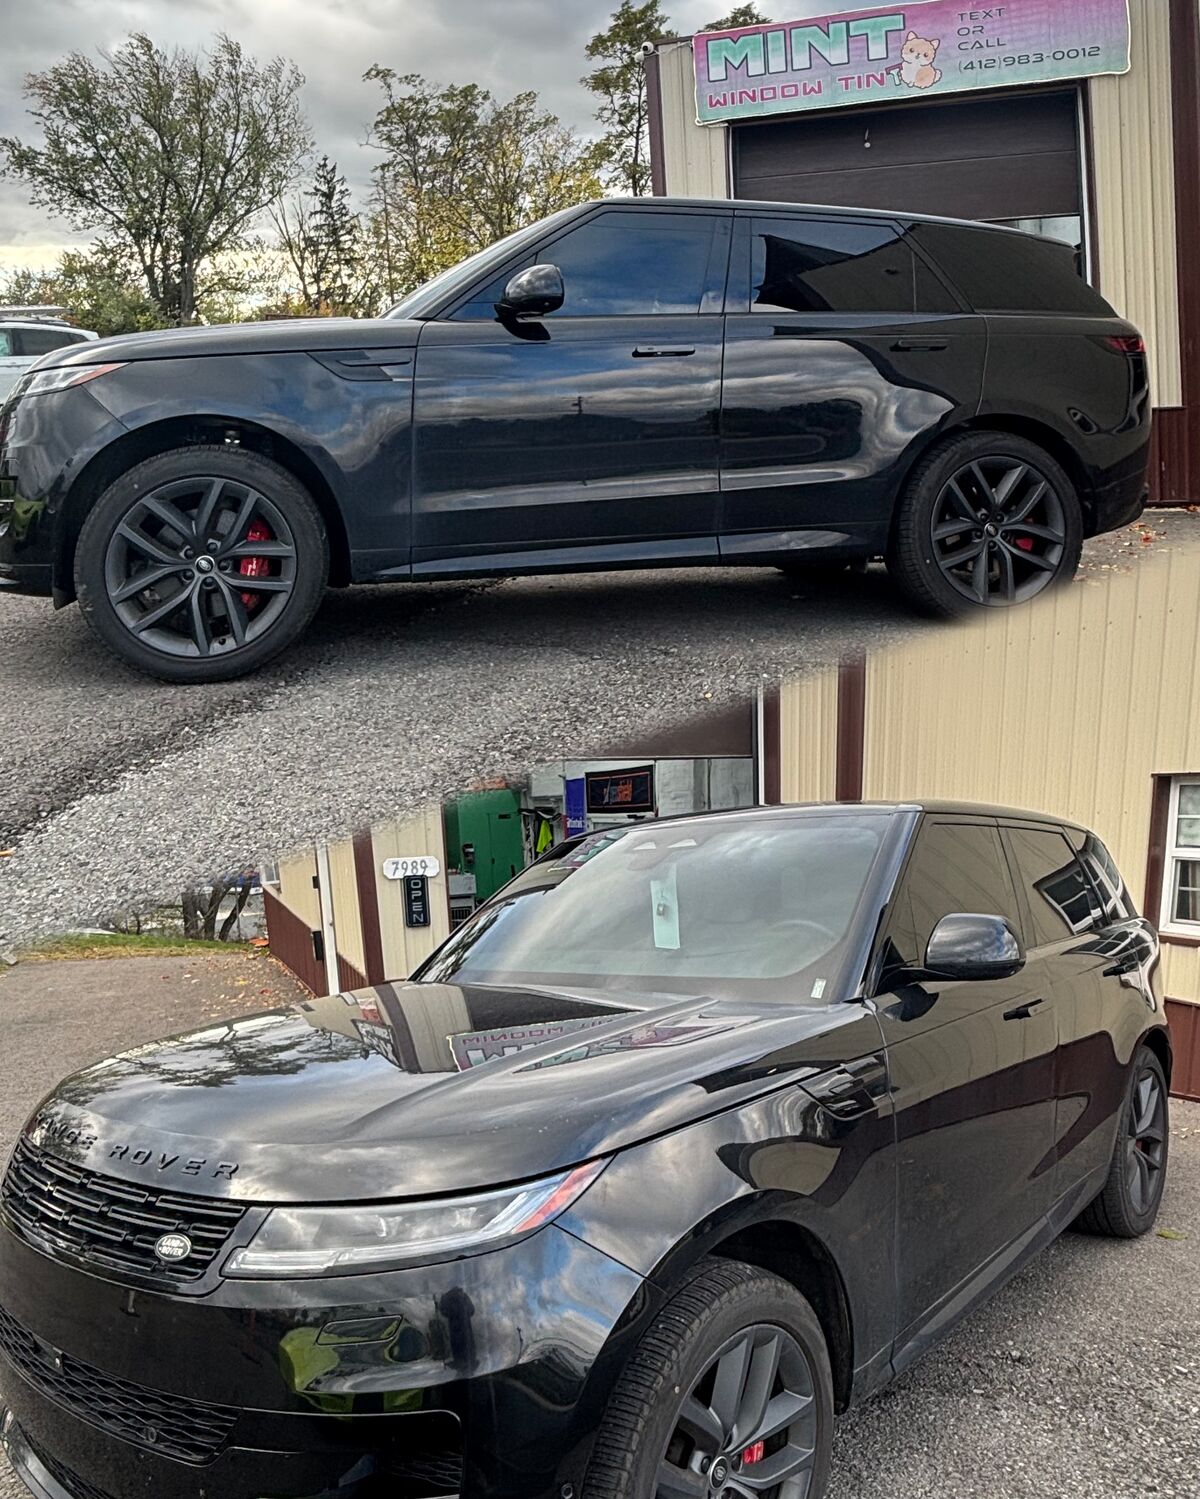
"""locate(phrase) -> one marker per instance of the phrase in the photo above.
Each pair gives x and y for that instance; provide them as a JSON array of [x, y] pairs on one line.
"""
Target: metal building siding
[[1070, 706], [1133, 162], [405, 947], [347, 917], [297, 891], [808, 715], [695, 157]]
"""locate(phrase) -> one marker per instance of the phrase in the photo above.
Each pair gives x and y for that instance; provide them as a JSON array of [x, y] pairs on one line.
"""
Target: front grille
[[165, 1424], [78, 1488], [110, 1222]]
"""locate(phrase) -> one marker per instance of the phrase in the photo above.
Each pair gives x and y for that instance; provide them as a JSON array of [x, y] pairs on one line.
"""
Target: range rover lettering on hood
[[78, 1142], [415, 1090]]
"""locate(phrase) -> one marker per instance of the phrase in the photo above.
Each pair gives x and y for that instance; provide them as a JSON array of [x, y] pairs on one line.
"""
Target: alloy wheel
[[1147, 1133], [999, 532], [200, 567], [748, 1427]]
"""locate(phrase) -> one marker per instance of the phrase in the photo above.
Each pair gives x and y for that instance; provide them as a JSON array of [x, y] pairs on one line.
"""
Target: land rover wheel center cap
[[204, 564], [720, 1472], [173, 1247]]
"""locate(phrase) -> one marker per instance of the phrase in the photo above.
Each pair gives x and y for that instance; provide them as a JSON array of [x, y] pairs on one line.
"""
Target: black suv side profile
[[626, 384], [697, 1133]]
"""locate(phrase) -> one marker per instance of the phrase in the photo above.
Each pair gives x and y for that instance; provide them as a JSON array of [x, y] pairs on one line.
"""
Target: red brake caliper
[[255, 567], [1026, 543], [754, 1454]]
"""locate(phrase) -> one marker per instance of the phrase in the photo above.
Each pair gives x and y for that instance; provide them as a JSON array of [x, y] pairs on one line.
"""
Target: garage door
[[1006, 158]]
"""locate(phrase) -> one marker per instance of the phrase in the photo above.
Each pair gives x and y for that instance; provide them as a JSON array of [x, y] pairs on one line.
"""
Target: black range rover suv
[[694, 1135], [626, 384]]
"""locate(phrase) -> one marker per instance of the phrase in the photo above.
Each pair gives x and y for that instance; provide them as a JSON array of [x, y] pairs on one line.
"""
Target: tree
[[99, 287], [172, 156], [741, 15], [461, 170], [202, 904], [620, 85], [321, 236]]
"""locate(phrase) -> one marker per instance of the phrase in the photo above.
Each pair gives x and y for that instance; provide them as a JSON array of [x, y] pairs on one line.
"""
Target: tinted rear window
[[838, 265], [999, 272]]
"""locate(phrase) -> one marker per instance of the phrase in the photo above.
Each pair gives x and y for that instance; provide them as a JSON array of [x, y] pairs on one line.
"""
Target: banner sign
[[915, 51]]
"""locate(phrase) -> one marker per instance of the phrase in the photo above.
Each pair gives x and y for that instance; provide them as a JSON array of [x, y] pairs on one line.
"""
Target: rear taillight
[[1127, 343]]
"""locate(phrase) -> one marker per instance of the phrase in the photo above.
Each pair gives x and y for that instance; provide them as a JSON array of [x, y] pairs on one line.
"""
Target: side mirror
[[973, 949], [533, 293]]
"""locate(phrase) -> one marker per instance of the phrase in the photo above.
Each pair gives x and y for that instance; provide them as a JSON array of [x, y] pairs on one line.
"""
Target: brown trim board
[[368, 908], [654, 111], [851, 728]]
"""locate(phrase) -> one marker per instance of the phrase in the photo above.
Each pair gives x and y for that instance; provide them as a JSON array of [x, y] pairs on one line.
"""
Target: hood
[[418, 1089], [291, 336]]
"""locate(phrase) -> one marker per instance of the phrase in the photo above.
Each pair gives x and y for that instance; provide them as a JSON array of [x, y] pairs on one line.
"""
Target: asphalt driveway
[[117, 790], [1081, 1380]]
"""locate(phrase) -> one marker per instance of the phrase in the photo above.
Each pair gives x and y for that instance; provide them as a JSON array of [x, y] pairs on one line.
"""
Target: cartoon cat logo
[[917, 69]]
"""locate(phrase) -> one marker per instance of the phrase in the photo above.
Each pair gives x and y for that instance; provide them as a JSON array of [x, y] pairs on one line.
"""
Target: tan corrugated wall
[[297, 891], [1133, 162], [1071, 706], [405, 947], [695, 157], [808, 738], [347, 917]]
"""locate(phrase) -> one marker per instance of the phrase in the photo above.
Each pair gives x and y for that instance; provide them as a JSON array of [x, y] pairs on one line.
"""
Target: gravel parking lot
[[1081, 1380], [117, 790]]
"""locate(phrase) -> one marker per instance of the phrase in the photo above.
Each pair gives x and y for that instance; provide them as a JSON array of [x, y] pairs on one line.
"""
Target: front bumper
[[45, 445], [485, 1376]]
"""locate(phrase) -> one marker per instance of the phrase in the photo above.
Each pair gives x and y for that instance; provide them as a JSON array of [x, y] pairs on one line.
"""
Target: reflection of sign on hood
[[904, 52], [474, 1048]]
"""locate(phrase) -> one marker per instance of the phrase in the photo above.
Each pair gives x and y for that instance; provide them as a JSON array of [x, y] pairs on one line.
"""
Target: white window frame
[[1175, 854]]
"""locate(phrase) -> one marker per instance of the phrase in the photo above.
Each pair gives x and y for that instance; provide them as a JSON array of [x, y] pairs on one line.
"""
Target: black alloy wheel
[[748, 1427], [999, 531], [1128, 1205], [727, 1395], [986, 520], [1146, 1149], [201, 564]]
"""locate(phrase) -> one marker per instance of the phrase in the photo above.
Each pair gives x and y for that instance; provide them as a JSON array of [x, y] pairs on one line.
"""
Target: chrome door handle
[[655, 351], [1024, 1012]]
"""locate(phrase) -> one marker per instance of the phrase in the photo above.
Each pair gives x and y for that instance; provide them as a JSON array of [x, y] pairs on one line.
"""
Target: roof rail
[[35, 313]]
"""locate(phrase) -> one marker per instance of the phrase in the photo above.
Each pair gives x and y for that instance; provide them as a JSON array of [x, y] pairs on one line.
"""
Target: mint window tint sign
[[905, 52]]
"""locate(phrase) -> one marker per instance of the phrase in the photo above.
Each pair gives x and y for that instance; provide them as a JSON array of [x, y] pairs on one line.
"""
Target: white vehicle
[[26, 333]]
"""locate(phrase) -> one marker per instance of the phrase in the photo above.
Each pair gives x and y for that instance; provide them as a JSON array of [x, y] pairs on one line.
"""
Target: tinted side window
[[482, 306], [957, 867], [1061, 902], [35, 342], [637, 264], [830, 265], [1115, 902], [998, 272]]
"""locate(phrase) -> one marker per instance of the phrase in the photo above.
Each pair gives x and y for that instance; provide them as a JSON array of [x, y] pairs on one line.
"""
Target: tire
[[1128, 1205], [963, 479], [245, 565], [724, 1302]]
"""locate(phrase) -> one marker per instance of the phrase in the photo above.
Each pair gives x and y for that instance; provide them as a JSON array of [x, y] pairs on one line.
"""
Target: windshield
[[434, 294], [729, 907]]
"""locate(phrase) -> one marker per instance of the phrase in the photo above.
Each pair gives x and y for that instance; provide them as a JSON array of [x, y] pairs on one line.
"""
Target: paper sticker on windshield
[[818, 991], [664, 894]]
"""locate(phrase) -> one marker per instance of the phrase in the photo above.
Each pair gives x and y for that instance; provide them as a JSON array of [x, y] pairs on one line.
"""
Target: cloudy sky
[[508, 45]]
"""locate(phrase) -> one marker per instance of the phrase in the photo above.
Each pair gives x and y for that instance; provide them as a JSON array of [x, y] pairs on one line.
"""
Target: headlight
[[45, 382], [324, 1241]]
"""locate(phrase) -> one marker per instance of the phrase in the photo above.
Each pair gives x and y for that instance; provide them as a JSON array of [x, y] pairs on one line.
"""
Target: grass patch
[[124, 945]]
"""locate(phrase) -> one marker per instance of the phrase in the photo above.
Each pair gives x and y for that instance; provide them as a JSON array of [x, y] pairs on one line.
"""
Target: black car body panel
[[822, 1137], [447, 442]]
